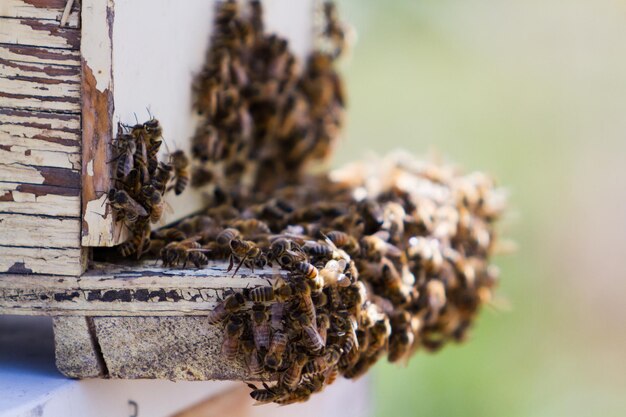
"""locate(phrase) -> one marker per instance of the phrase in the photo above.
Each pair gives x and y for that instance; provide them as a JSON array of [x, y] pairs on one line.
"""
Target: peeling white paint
[[97, 217], [90, 168], [96, 45]]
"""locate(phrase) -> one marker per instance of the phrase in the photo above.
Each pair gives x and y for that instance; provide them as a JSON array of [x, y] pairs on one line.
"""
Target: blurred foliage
[[529, 92]]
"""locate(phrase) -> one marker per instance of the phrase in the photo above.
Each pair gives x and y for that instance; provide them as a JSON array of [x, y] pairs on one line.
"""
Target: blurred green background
[[533, 92]]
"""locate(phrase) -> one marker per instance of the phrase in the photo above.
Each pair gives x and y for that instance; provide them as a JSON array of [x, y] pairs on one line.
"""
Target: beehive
[[70, 71], [382, 258]]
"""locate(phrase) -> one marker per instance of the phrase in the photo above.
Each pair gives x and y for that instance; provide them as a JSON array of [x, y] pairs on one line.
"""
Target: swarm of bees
[[264, 118], [374, 260], [141, 181]]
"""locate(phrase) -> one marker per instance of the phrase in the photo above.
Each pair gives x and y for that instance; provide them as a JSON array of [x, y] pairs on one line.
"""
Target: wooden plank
[[39, 79], [35, 157], [98, 228], [35, 32], [40, 9], [39, 199], [17, 260], [45, 103], [29, 174], [132, 290], [14, 138], [39, 231], [60, 128], [40, 55]]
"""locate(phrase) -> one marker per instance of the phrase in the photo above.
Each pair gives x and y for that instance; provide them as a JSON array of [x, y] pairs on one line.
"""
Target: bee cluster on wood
[[141, 181], [373, 260]]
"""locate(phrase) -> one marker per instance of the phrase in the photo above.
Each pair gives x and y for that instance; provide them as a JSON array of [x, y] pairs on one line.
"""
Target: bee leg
[[230, 263], [239, 266]]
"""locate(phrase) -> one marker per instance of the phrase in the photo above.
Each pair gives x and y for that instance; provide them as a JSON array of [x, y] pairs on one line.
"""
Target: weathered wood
[[40, 9], [36, 32], [39, 80], [24, 155], [51, 129], [29, 174], [40, 55], [40, 231], [39, 199], [31, 260], [133, 290], [98, 227]]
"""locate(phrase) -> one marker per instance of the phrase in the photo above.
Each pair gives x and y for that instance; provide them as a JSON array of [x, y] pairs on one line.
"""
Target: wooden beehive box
[[69, 72]]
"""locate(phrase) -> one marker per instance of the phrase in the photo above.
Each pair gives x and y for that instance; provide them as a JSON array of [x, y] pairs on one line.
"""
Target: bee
[[332, 273], [231, 304], [344, 241], [374, 248], [321, 364], [312, 339], [395, 289], [436, 298], [323, 324], [125, 147], [226, 236], [251, 227], [260, 327], [244, 250], [311, 274], [266, 394], [261, 294], [139, 240], [274, 356], [141, 154], [154, 202], [293, 374], [251, 356], [162, 177], [129, 208], [169, 234], [379, 336], [232, 334], [303, 292], [359, 368], [132, 183], [182, 252], [180, 163], [401, 338], [354, 297], [317, 249]]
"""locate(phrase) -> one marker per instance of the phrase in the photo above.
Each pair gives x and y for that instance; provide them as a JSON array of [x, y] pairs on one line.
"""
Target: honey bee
[[231, 304], [260, 327], [184, 251], [129, 209], [323, 324], [251, 227], [169, 234], [312, 338], [251, 356], [293, 374], [227, 235], [126, 147], [154, 202], [274, 356], [141, 154], [303, 292], [317, 249], [261, 294], [332, 273], [232, 334], [266, 394], [344, 241], [379, 336], [311, 274], [180, 163], [138, 241], [360, 367], [244, 250], [321, 364], [395, 289], [401, 338], [162, 177]]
